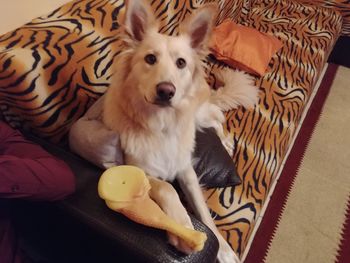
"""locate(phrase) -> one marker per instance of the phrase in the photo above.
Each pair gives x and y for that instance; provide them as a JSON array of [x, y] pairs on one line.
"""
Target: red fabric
[[29, 172]]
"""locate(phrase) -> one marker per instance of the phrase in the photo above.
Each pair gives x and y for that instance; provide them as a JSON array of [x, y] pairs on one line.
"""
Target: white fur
[[238, 90], [160, 140]]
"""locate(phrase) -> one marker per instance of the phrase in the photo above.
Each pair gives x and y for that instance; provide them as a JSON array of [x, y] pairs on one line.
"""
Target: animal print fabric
[[54, 68], [342, 6], [235, 10]]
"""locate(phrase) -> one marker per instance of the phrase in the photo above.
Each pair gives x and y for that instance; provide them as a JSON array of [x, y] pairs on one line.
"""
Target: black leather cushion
[[212, 163], [140, 243]]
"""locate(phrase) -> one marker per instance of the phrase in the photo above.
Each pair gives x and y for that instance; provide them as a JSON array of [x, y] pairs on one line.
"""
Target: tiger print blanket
[[341, 6], [53, 68]]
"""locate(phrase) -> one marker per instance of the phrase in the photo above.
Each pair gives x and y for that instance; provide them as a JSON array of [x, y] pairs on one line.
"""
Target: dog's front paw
[[227, 257], [179, 244], [226, 254], [183, 219]]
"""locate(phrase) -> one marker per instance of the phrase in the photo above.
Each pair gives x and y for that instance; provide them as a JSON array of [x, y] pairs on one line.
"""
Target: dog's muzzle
[[165, 92]]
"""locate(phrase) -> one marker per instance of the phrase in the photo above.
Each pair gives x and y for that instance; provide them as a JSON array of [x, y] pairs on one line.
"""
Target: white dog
[[158, 98]]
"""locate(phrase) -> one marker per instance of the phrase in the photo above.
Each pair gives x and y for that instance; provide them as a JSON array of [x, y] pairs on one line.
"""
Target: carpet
[[307, 219]]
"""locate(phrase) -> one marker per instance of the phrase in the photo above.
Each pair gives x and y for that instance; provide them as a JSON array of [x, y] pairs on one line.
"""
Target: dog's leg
[[165, 195], [210, 115], [189, 184], [167, 198], [225, 139]]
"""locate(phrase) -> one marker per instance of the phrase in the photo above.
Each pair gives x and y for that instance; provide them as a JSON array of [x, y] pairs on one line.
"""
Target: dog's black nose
[[165, 91]]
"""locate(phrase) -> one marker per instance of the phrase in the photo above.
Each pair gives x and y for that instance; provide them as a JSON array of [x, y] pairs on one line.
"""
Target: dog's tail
[[238, 89]]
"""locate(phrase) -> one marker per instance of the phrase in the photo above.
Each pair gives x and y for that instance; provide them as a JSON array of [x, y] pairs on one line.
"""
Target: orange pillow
[[243, 47]]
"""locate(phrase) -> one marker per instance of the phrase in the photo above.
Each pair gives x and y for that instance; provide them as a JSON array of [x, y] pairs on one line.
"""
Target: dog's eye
[[150, 59], [180, 63]]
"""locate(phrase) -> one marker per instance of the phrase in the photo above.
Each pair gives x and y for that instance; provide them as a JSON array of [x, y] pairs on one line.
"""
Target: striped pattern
[[342, 6], [54, 68]]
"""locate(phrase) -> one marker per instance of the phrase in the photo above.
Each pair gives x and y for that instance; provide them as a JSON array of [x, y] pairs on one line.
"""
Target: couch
[[67, 62]]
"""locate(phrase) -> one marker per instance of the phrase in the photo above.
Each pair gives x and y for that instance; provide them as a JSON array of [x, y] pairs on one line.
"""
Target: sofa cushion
[[212, 163], [243, 47]]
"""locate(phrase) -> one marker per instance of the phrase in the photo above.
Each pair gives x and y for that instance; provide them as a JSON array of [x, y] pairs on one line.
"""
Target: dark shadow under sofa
[[55, 67]]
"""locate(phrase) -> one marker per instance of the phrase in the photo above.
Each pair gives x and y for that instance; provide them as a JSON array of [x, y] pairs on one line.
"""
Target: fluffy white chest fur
[[162, 152]]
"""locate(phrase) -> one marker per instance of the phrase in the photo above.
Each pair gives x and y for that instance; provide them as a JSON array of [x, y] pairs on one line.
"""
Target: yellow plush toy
[[126, 190]]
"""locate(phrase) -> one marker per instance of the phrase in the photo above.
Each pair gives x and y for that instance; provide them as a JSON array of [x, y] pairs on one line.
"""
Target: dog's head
[[163, 68]]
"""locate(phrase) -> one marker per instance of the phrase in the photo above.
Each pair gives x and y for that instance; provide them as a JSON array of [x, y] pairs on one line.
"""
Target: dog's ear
[[138, 18], [199, 25]]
